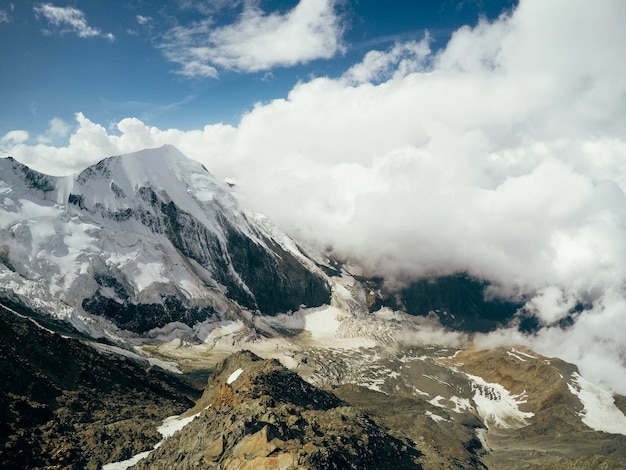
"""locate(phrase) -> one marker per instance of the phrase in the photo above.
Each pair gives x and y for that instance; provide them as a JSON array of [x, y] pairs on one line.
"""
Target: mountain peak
[[15, 174], [117, 183], [146, 239]]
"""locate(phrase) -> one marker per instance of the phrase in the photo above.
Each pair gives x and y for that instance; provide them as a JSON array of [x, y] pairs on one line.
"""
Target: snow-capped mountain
[[144, 240]]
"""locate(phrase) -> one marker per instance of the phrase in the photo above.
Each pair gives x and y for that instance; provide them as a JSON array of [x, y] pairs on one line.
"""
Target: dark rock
[[63, 405], [459, 301]]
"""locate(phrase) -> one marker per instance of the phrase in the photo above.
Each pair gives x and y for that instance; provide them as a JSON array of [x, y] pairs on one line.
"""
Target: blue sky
[[115, 59]]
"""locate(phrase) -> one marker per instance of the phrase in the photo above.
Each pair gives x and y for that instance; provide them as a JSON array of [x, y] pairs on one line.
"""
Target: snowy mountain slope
[[143, 240]]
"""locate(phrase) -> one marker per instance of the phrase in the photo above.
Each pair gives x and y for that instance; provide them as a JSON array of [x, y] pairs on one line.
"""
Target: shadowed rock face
[[458, 300], [268, 417]]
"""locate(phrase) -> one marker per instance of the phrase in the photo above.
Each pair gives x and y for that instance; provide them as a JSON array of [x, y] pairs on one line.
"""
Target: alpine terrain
[[149, 322]]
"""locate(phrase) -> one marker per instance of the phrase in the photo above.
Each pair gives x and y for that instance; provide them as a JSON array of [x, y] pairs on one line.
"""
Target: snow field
[[167, 429], [496, 406], [599, 410]]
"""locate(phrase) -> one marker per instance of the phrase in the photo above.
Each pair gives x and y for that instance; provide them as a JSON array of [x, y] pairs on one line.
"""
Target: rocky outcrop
[[256, 414]]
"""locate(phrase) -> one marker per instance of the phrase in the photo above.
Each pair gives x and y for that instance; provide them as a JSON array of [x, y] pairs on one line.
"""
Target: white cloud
[[551, 304], [143, 19], [209, 7], [15, 137], [69, 19], [57, 129], [4, 17], [402, 59], [257, 41], [501, 155]]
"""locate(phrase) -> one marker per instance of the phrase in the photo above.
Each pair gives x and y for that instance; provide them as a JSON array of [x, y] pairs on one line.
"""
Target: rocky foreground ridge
[[257, 414]]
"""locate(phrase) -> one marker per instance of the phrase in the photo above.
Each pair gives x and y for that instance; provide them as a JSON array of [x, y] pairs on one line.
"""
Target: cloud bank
[[502, 155], [256, 41]]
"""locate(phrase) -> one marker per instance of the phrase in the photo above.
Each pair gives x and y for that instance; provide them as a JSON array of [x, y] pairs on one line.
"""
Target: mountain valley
[[147, 320]]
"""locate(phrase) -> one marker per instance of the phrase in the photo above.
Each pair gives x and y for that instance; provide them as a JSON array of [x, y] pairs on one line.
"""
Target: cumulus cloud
[[14, 137], [69, 20], [501, 155], [57, 129], [6, 15], [379, 66], [257, 40]]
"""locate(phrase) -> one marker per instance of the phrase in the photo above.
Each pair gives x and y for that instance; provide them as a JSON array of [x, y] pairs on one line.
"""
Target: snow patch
[[234, 376], [522, 353], [438, 380], [599, 410], [497, 406], [124, 464], [460, 404], [148, 273], [512, 354], [436, 418], [167, 429], [435, 401], [173, 424]]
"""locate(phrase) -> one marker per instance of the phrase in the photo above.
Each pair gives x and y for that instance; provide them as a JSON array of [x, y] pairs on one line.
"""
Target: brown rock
[[215, 450], [255, 445], [274, 462]]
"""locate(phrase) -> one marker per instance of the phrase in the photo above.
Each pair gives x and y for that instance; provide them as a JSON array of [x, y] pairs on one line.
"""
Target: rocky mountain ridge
[[255, 413]]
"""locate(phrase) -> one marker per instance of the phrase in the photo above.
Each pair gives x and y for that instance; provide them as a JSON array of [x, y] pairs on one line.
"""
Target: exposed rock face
[[63, 405], [257, 414]]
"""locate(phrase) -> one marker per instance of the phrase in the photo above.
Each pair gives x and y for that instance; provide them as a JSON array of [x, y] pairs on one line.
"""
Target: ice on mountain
[[435, 417], [512, 354], [460, 404], [522, 353], [435, 401]]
